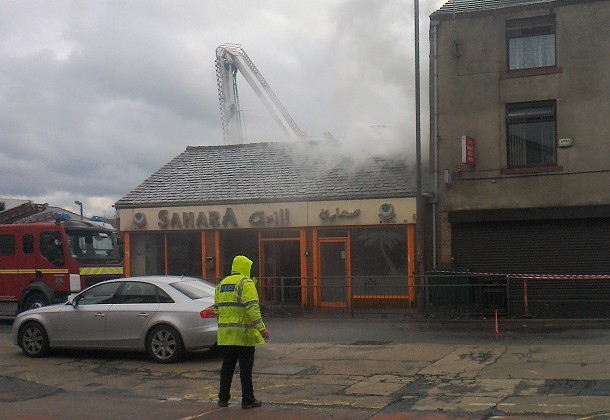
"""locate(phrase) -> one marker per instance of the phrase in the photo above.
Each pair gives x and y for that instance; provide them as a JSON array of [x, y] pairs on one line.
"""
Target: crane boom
[[231, 58]]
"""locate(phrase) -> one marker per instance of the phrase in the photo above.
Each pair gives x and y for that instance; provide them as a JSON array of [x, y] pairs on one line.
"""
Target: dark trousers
[[230, 356]]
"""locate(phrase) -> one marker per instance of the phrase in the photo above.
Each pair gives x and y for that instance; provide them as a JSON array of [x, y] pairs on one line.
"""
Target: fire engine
[[43, 263]]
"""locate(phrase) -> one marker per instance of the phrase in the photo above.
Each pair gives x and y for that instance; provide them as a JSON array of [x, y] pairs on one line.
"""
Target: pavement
[[341, 369]]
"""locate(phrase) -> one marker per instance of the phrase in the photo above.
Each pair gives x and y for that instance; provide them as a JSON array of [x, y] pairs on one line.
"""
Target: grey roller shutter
[[564, 246]]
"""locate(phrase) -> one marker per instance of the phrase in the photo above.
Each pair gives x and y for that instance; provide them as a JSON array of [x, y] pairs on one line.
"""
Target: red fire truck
[[43, 263]]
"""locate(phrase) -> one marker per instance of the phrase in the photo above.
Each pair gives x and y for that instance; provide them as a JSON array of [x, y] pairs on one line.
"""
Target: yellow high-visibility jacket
[[237, 308]]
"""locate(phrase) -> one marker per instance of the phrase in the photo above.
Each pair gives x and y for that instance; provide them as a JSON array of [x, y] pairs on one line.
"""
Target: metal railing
[[443, 295]]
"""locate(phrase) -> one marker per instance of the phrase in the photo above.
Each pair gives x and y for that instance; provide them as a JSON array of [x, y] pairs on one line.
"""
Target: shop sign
[[263, 216], [213, 219], [189, 221], [468, 150], [325, 214], [277, 218]]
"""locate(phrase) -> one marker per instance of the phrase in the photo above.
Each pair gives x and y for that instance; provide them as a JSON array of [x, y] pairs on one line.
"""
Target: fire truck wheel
[[33, 340], [164, 344], [35, 300]]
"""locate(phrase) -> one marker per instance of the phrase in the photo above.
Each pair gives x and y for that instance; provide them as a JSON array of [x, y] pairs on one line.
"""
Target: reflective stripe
[[87, 271], [235, 325], [83, 271], [240, 288], [225, 304], [34, 270]]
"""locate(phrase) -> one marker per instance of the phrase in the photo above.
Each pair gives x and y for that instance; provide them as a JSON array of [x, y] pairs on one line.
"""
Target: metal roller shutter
[[558, 246]]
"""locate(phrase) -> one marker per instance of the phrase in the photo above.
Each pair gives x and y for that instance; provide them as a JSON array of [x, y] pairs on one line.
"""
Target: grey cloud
[[95, 96]]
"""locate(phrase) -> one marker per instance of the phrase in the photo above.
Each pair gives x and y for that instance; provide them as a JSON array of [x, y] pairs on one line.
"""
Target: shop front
[[310, 255]]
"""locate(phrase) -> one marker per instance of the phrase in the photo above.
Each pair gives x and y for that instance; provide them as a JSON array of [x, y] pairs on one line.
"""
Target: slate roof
[[273, 172], [466, 6]]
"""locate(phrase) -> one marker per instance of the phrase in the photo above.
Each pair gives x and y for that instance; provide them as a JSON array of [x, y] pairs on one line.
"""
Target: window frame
[[528, 115], [529, 28]]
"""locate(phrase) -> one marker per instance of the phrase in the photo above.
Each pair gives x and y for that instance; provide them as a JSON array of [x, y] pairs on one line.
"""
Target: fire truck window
[[50, 246], [28, 244], [7, 245], [89, 249]]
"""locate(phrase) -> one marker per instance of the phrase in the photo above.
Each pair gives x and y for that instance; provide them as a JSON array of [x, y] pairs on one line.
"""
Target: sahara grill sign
[[212, 220], [268, 217]]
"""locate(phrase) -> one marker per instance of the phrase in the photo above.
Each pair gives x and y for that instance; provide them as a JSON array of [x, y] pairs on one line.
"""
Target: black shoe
[[253, 404], [223, 403]]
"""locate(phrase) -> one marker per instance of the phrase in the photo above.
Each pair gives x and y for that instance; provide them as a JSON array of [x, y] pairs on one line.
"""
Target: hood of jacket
[[241, 265]]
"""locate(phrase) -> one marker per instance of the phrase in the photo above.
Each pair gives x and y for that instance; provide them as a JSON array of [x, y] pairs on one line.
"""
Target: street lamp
[[81, 208], [419, 279]]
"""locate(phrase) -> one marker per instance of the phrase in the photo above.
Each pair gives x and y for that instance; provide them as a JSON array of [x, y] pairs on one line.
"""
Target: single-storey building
[[325, 228]]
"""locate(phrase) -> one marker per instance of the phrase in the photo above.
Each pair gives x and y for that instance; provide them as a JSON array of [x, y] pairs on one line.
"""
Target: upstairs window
[[531, 42], [531, 134]]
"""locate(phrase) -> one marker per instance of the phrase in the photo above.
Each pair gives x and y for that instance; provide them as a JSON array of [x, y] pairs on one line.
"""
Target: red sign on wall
[[468, 150]]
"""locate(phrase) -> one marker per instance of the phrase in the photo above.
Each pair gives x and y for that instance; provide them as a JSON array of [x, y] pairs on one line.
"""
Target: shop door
[[334, 273], [281, 273]]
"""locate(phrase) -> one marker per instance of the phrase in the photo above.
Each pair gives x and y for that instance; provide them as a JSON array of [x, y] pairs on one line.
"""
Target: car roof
[[161, 279]]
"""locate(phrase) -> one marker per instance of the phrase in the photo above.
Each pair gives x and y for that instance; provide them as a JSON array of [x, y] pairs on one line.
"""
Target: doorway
[[281, 272], [333, 281]]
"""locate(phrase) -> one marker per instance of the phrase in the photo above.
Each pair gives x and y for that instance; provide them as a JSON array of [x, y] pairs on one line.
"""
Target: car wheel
[[33, 340], [164, 344], [35, 300]]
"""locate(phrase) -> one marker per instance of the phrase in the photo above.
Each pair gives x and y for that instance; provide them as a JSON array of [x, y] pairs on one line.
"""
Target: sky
[[96, 95]]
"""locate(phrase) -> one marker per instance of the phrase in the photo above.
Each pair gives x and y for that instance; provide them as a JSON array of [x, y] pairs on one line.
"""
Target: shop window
[[238, 242], [147, 254], [184, 253], [531, 134], [531, 42], [379, 261]]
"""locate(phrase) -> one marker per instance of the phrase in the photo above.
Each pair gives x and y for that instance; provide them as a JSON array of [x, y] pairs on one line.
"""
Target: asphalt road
[[336, 368]]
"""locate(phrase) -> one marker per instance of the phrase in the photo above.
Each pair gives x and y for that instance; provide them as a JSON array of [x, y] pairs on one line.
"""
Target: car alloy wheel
[[33, 340], [165, 344]]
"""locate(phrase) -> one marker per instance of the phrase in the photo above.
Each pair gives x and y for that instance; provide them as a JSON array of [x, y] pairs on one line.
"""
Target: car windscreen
[[194, 289]]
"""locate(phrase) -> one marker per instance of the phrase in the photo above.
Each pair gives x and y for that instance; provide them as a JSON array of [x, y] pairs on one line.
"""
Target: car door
[[83, 324], [129, 318]]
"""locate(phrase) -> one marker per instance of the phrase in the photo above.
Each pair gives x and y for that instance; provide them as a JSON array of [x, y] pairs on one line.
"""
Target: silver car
[[166, 316]]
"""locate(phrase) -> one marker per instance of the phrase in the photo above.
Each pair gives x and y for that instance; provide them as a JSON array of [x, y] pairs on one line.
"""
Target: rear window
[[194, 289]]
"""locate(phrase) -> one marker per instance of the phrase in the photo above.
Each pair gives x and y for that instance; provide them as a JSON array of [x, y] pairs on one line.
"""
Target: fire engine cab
[[43, 263]]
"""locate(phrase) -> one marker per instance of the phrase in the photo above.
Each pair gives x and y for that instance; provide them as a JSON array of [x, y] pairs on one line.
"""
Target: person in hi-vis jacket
[[240, 330]]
